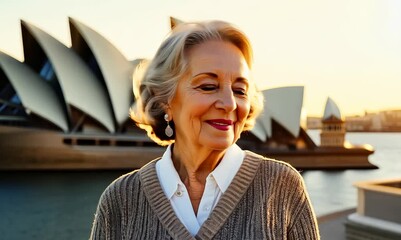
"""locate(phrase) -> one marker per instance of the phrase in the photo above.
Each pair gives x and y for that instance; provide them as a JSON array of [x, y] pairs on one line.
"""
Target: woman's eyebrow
[[210, 74], [242, 80]]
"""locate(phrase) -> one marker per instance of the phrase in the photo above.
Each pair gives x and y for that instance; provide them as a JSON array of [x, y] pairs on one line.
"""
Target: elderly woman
[[197, 96]]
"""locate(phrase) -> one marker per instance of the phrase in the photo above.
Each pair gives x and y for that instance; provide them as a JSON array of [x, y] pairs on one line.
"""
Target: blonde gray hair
[[155, 82]]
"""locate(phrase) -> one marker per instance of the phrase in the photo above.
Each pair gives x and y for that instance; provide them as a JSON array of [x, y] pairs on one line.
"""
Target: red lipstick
[[220, 124]]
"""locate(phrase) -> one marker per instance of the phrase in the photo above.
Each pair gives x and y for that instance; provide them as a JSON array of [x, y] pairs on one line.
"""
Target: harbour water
[[60, 205], [332, 191]]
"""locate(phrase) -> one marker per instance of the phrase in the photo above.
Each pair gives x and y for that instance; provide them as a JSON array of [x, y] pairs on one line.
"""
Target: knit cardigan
[[267, 199]]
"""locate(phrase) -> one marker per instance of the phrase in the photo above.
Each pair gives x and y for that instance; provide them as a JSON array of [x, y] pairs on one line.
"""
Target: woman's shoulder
[[129, 180], [123, 182], [272, 165], [279, 175]]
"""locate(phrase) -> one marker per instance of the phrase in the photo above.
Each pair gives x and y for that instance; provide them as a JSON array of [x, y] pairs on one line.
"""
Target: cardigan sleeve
[[107, 222], [98, 227], [304, 223], [305, 226]]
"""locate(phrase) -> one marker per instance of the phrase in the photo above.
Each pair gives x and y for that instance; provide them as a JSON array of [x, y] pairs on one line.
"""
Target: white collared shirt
[[217, 183]]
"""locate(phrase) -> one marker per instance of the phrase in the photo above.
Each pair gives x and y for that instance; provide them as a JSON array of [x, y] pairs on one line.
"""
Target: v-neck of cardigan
[[228, 201]]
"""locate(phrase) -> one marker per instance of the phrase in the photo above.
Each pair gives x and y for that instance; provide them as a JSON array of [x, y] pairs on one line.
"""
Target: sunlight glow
[[349, 50]]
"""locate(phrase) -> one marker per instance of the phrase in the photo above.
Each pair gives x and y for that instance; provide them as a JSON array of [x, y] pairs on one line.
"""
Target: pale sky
[[349, 50]]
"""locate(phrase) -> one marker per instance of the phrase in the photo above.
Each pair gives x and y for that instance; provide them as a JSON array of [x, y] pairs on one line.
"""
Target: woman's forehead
[[217, 57]]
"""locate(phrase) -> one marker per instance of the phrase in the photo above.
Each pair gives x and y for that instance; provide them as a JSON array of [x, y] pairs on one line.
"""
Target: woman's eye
[[240, 91], [208, 87]]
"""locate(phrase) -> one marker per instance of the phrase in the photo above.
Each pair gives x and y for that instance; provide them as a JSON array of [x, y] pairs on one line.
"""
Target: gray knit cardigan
[[266, 200]]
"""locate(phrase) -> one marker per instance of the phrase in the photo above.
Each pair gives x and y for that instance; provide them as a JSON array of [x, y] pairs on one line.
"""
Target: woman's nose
[[226, 100]]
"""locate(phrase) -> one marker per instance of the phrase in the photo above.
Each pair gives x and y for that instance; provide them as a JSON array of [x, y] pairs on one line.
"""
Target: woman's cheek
[[244, 112]]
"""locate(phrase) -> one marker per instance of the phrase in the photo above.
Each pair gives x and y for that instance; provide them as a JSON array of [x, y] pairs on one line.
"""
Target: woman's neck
[[193, 166]]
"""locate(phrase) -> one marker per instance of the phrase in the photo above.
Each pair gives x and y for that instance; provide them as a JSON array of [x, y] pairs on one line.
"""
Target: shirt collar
[[168, 176], [223, 174], [228, 167]]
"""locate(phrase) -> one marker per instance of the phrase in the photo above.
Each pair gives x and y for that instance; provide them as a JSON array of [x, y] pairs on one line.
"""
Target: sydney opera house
[[67, 108]]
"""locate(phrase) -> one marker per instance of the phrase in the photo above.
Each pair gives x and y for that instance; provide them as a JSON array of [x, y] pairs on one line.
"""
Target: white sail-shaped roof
[[115, 68], [79, 85], [34, 92], [284, 105], [263, 125], [331, 109]]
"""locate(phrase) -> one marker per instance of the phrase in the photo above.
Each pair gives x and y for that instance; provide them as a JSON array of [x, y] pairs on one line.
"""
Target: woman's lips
[[220, 124]]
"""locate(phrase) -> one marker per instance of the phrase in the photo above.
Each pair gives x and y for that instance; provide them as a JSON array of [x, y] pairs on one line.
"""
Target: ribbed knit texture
[[265, 200]]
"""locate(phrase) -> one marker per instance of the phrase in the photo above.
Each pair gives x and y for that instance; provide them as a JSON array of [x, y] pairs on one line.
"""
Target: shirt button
[[178, 193], [207, 208]]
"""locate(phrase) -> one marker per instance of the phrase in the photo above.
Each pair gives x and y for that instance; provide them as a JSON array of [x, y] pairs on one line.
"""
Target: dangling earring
[[168, 131]]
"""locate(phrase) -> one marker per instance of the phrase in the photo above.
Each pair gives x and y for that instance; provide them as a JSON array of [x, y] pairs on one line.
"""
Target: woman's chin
[[219, 144]]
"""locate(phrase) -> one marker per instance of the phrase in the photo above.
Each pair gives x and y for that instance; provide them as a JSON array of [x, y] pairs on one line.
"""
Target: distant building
[[358, 123], [376, 122], [383, 121], [391, 120], [333, 129]]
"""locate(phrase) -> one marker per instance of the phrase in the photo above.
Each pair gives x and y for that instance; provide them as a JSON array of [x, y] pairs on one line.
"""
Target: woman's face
[[212, 101]]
